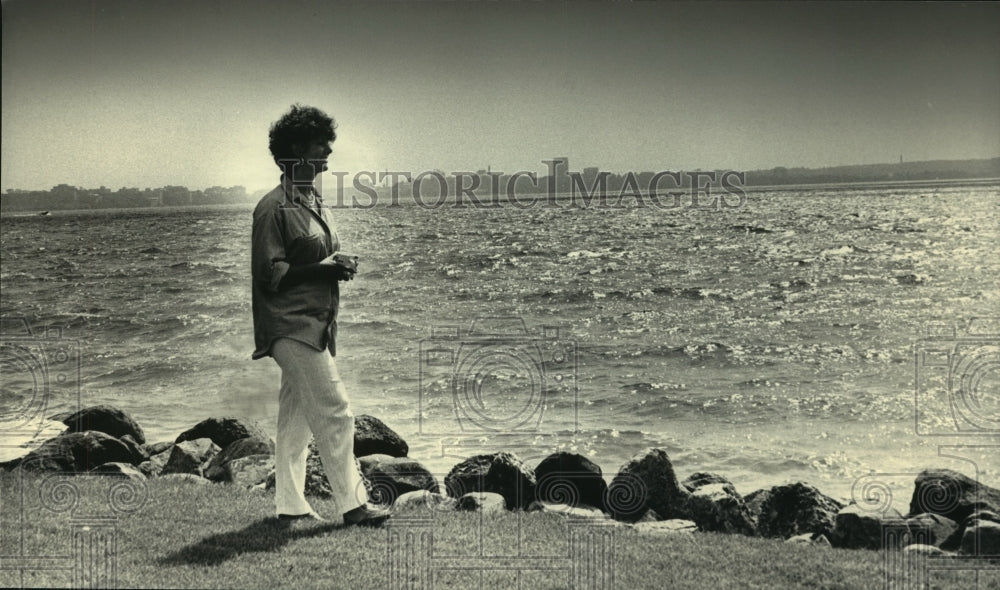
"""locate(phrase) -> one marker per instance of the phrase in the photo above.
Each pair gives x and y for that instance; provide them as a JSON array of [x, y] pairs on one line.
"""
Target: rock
[[139, 452], [424, 499], [487, 502], [954, 542], [650, 516], [697, 480], [570, 510], [391, 477], [107, 419], [951, 494], [666, 527], [927, 550], [502, 473], [153, 466], [190, 456], [186, 478], [373, 437], [316, 482], [569, 478], [981, 515], [119, 469], [77, 452], [647, 481], [249, 471], [159, 447], [223, 431], [981, 539], [755, 501], [810, 539], [857, 528], [244, 447], [60, 417], [793, 509], [717, 507], [930, 529]]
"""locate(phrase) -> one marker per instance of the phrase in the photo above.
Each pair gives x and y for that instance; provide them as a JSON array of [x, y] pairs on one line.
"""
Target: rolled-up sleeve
[[268, 259]]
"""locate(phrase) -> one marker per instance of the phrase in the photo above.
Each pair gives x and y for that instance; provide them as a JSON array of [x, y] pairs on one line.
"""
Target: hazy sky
[[156, 93]]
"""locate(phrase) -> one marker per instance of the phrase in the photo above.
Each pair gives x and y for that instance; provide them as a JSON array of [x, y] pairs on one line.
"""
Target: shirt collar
[[296, 195]]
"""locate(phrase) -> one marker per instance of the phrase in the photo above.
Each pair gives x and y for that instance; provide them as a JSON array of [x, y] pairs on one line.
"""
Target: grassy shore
[[176, 534]]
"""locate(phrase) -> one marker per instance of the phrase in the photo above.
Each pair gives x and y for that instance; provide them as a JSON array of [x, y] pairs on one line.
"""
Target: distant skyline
[[149, 94]]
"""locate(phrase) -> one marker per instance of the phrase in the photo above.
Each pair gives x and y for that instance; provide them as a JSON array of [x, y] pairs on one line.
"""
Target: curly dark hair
[[299, 126]]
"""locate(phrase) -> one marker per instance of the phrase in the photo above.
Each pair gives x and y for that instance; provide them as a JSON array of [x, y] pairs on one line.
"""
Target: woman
[[295, 299]]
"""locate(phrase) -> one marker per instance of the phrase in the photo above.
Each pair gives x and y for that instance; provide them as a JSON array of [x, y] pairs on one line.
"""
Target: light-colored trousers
[[313, 403]]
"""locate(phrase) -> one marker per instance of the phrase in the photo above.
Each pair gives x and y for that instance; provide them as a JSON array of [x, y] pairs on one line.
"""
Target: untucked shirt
[[288, 232]]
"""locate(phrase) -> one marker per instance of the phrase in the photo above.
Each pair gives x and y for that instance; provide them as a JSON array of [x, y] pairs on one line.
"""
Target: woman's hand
[[344, 268]]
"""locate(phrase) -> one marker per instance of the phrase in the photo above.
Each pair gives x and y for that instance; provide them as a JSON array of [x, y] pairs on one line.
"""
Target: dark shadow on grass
[[269, 534]]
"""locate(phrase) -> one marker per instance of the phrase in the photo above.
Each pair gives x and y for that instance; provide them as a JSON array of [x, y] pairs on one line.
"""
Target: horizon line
[[344, 174]]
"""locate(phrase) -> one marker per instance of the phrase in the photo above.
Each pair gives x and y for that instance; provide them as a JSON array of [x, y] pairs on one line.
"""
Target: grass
[[183, 535]]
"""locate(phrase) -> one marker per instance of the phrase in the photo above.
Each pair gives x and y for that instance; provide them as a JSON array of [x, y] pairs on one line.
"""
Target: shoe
[[308, 516], [365, 515]]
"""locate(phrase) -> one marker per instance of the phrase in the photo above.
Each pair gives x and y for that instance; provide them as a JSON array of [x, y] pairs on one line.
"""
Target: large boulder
[[646, 482], [569, 478], [244, 447], [954, 542], [190, 456], [249, 471], [373, 437], [717, 507], [158, 447], [502, 473], [139, 452], [857, 528], [223, 431], [930, 529], [701, 478], [793, 509], [77, 452], [951, 494], [981, 539], [487, 502], [153, 466], [391, 477], [107, 419], [755, 501]]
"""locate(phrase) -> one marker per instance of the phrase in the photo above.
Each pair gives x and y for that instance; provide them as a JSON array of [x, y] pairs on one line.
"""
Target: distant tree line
[[65, 196], [434, 183], [902, 171]]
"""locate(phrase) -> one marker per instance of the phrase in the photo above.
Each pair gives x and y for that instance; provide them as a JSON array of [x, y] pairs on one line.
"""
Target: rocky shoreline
[[949, 514]]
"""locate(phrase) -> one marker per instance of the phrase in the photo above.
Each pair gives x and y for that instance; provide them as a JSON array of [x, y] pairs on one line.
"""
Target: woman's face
[[316, 153]]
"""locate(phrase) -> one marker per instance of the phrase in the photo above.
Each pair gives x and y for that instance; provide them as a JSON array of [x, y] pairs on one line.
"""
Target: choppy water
[[768, 344]]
